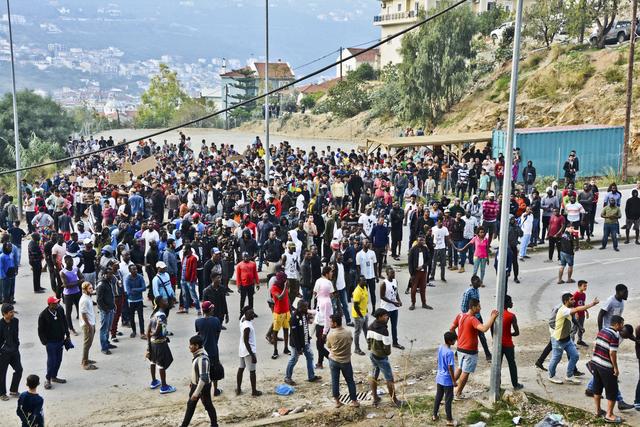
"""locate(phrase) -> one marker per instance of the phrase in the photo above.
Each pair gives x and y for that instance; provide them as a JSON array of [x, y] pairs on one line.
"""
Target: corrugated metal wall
[[598, 148]]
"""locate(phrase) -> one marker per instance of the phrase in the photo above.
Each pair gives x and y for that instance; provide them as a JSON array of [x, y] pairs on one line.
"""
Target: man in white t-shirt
[[366, 261], [440, 242], [526, 225], [367, 220], [247, 351], [88, 322], [573, 211], [149, 235]]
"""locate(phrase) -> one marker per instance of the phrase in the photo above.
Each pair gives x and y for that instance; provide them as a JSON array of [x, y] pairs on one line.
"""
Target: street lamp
[[16, 137], [267, 158]]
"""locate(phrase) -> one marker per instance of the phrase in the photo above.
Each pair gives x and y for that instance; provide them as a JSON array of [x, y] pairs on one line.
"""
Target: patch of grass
[[614, 75], [474, 417], [500, 88], [532, 61], [453, 119], [622, 58], [567, 75]]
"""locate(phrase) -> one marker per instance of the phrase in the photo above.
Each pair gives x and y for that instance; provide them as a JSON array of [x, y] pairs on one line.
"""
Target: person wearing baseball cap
[[379, 343], [209, 327], [53, 330], [161, 286]]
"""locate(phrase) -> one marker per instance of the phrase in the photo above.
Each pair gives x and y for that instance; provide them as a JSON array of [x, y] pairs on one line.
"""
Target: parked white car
[[498, 33]]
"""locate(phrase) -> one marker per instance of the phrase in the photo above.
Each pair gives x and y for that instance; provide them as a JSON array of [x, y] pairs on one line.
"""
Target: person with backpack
[[161, 286]]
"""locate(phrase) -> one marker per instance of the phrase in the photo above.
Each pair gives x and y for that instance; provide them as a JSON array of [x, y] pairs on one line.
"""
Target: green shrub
[[614, 75]]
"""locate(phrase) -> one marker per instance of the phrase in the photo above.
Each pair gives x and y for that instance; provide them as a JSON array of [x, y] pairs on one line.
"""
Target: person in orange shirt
[[247, 279]]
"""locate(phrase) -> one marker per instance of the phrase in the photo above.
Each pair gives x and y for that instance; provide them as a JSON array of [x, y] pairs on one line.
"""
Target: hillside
[[561, 86], [566, 85]]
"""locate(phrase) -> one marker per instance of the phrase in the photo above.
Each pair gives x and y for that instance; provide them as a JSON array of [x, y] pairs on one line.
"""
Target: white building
[[371, 57], [398, 15]]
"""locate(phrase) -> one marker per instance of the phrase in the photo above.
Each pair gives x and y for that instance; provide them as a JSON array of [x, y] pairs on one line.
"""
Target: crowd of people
[[322, 228]]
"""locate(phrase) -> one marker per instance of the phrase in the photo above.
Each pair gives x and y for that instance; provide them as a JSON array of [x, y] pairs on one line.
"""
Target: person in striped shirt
[[604, 366], [200, 387]]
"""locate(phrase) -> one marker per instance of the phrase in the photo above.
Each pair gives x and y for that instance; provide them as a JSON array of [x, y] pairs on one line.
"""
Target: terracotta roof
[[370, 56], [319, 87], [277, 70], [236, 73]]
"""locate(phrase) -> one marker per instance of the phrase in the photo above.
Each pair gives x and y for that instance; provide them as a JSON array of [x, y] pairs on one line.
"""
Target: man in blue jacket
[[135, 287]]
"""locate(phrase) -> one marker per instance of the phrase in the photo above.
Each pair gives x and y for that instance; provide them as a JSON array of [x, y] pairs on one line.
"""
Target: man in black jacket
[[217, 295], [515, 232], [419, 262], [529, 177], [107, 305], [396, 219], [35, 261], [632, 213], [300, 341], [53, 330], [9, 352]]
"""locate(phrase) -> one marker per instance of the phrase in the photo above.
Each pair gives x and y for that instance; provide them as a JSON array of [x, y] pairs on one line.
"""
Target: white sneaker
[[573, 380], [556, 380]]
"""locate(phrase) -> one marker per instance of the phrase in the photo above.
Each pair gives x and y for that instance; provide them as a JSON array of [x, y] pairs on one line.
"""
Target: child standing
[[483, 185], [30, 404], [445, 377], [580, 296]]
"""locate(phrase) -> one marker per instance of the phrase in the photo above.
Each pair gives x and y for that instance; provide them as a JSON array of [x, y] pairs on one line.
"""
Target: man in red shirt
[[247, 279], [556, 227], [189, 281], [281, 314], [580, 296], [468, 326], [509, 330]]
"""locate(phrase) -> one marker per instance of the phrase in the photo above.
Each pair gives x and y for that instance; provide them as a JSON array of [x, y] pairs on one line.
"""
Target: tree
[[384, 99], [579, 18], [491, 19], [604, 13], [347, 98], [544, 20], [161, 100], [364, 72], [38, 117], [435, 70], [194, 108]]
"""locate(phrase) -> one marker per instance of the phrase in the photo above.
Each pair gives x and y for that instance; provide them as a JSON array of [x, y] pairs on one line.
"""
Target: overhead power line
[[243, 103]]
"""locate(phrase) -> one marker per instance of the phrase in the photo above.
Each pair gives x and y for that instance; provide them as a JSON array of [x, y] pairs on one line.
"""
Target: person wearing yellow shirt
[[360, 299]]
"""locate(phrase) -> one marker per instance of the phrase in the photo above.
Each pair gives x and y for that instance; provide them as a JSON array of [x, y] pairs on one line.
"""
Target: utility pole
[[501, 281], [16, 137], [226, 106], [627, 116], [340, 63], [267, 155]]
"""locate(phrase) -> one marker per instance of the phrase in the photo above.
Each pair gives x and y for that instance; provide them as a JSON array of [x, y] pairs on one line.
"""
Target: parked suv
[[498, 33], [618, 33]]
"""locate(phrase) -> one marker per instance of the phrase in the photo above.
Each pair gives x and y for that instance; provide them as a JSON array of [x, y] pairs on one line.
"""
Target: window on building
[[399, 7], [417, 6]]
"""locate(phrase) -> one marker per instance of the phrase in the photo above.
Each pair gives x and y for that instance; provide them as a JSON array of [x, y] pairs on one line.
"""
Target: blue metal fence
[[599, 148]]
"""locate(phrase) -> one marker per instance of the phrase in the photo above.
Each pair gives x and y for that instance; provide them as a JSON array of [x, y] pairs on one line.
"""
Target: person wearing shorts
[[604, 367], [379, 343], [281, 314], [247, 351], [158, 351], [468, 326], [568, 245]]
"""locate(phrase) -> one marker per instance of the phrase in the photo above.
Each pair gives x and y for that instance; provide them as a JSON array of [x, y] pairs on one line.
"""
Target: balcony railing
[[395, 16]]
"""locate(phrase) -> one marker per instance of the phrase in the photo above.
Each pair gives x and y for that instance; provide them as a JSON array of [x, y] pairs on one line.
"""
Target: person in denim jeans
[[611, 214], [107, 306], [339, 342], [561, 338], [341, 286], [300, 340], [189, 281], [8, 270]]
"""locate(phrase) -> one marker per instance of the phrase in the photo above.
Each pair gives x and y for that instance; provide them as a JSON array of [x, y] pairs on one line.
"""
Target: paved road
[[124, 375]]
